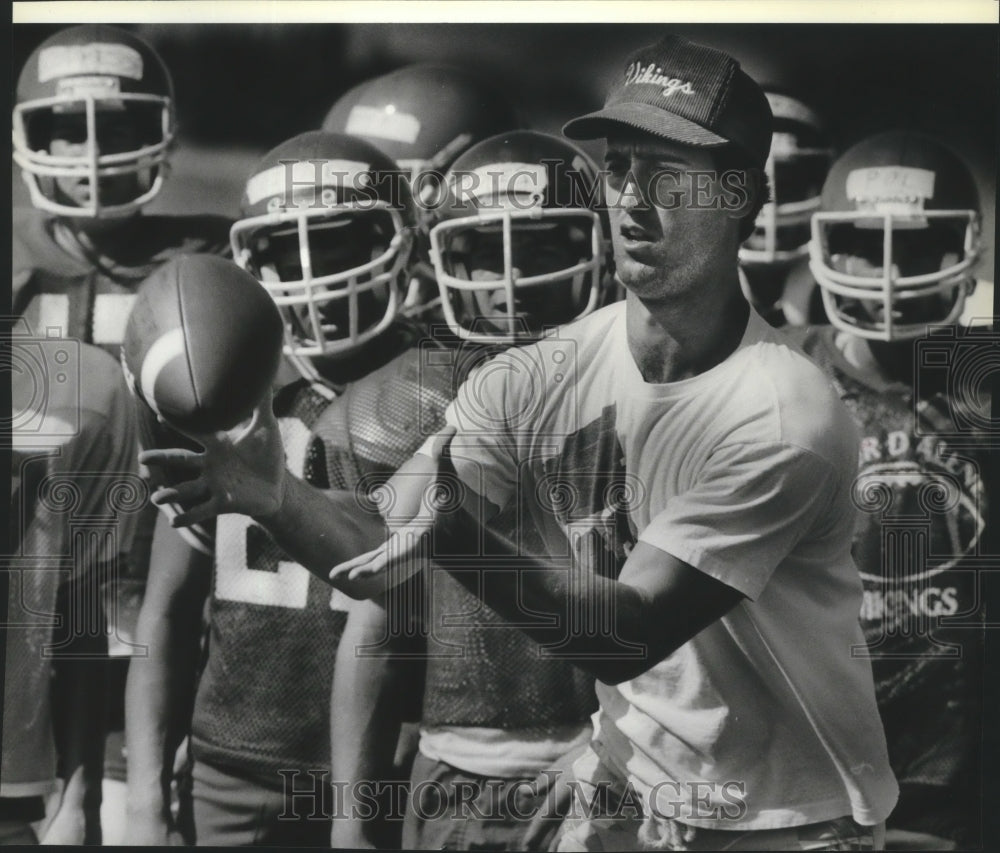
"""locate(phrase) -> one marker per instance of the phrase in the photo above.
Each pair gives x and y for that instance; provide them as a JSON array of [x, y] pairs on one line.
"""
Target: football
[[202, 344]]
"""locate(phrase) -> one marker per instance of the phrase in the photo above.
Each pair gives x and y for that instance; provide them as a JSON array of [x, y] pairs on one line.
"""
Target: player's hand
[[406, 551], [239, 471]]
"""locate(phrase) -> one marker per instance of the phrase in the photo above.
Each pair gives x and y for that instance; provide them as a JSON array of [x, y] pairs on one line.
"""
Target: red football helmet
[[518, 244], [423, 116], [895, 243], [328, 227], [93, 123]]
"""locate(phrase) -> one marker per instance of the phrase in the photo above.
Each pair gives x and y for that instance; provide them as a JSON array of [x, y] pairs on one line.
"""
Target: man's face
[[861, 252], [536, 249], [667, 217], [116, 134], [336, 246]]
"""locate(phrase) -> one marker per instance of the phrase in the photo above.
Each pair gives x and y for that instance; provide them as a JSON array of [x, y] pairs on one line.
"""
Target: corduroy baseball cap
[[687, 93]]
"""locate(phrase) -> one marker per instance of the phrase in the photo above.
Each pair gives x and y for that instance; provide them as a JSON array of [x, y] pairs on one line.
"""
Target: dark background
[[260, 83]]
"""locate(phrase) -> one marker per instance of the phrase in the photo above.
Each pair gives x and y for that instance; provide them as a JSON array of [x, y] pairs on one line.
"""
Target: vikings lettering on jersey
[[923, 506]]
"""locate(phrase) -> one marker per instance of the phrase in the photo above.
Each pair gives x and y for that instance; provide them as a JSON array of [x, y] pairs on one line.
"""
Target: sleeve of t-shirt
[[483, 449], [746, 513]]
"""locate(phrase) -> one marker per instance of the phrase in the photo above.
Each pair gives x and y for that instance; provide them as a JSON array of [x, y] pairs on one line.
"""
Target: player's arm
[[320, 528], [104, 442], [372, 688], [657, 603], [79, 711], [159, 694]]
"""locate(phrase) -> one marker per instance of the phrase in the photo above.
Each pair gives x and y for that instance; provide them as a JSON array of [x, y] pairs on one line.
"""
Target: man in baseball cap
[[737, 513], [708, 533], [687, 93]]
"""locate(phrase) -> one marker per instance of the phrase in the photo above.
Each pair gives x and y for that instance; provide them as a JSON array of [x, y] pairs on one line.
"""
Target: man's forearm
[[320, 529], [598, 622]]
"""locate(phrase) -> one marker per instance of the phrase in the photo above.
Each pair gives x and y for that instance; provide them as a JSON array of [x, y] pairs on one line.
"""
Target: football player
[[74, 495], [518, 246], [423, 116], [328, 226], [93, 127], [94, 124], [774, 258], [893, 251]]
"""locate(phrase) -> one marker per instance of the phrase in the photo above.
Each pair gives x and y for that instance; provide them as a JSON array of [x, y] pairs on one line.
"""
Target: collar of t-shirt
[[756, 331]]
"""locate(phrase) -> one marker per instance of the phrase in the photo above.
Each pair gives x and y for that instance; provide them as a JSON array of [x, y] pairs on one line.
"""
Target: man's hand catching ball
[[241, 470], [408, 549]]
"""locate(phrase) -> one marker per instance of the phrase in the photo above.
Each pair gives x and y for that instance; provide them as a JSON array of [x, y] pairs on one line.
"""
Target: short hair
[[731, 158]]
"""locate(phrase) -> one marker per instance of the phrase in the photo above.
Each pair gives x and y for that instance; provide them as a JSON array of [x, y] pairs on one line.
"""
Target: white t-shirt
[[764, 719]]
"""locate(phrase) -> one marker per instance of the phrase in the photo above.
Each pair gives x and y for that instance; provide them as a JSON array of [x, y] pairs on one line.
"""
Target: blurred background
[[243, 88]]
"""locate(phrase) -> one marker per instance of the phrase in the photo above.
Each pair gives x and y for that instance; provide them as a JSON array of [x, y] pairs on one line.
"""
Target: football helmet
[[893, 247], [423, 116], [519, 242], [93, 123], [796, 167], [327, 225]]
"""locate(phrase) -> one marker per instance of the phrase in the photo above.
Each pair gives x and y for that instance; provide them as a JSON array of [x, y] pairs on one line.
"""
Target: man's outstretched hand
[[239, 471], [408, 548]]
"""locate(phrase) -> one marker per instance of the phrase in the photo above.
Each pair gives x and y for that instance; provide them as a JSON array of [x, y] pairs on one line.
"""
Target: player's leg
[[452, 809], [227, 808], [235, 811]]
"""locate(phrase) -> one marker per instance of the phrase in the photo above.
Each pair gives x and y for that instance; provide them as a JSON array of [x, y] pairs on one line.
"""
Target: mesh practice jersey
[[264, 696]]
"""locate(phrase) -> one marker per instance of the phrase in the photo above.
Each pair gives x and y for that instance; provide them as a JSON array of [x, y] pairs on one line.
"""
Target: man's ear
[[745, 191]]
